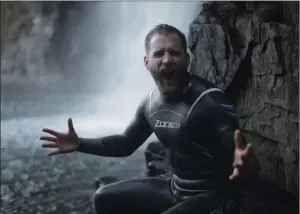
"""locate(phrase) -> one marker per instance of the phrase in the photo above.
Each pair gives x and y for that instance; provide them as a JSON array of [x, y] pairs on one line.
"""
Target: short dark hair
[[165, 28]]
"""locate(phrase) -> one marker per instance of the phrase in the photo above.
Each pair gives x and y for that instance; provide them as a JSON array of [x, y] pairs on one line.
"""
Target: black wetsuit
[[198, 128]]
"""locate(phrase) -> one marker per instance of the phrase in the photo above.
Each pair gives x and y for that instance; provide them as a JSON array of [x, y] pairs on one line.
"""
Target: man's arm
[[121, 145], [222, 116], [225, 122]]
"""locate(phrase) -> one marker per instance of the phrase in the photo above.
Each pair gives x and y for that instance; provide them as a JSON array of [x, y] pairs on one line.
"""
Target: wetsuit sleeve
[[222, 116], [120, 145]]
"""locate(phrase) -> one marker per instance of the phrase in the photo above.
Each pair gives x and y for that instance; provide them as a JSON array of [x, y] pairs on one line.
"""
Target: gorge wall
[[25, 36], [33, 42], [251, 50]]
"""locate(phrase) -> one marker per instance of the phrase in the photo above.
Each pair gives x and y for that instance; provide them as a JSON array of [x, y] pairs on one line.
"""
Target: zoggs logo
[[167, 124]]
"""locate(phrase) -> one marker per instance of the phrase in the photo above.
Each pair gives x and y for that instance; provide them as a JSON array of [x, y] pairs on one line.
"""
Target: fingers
[[238, 164], [56, 152], [70, 125], [238, 139], [52, 132], [46, 138], [247, 150], [49, 145], [235, 174]]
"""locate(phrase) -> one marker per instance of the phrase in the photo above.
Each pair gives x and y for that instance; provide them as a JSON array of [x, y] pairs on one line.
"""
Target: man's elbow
[[128, 154], [125, 152], [129, 147]]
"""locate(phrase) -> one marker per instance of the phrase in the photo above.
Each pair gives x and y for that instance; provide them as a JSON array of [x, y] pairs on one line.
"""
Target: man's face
[[168, 62]]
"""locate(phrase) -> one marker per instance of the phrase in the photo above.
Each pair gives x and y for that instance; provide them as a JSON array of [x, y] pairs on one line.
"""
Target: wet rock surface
[[32, 182], [25, 36], [63, 186], [250, 50]]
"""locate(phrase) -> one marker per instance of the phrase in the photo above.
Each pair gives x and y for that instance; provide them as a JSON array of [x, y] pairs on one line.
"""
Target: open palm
[[245, 162], [62, 142]]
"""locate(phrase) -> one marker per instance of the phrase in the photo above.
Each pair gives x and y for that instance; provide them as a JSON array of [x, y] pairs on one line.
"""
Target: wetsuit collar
[[188, 84], [186, 87]]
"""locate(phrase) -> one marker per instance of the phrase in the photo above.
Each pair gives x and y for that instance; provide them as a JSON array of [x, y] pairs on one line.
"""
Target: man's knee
[[101, 199]]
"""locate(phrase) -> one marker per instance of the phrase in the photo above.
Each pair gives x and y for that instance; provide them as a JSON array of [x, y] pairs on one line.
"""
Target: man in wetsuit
[[191, 117]]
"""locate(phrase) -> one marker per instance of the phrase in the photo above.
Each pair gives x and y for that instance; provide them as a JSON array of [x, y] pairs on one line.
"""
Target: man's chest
[[169, 121]]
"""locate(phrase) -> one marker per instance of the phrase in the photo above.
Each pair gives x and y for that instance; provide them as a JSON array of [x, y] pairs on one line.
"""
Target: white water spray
[[126, 77], [108, 45], [109, 40]]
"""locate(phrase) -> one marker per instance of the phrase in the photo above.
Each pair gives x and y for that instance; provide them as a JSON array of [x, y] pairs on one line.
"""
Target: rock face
[[250, 50], [46, 42], [28, 39], [26, 31]]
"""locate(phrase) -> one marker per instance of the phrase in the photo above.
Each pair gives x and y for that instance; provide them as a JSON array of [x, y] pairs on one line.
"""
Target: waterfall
[[103, 46], [119, 69]]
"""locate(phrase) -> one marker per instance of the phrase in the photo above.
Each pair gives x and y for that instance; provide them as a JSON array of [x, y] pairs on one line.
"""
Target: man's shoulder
[[204, 87], [146, 101], [208, 94], [204, 83]]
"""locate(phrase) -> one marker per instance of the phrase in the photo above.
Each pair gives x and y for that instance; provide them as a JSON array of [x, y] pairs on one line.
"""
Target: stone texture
[[31, 182], [38, 46], [25, 34], [28, 37], [251, 51]]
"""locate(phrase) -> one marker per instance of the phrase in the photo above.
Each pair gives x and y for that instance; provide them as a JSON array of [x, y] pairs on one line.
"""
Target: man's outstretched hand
[[245, 162], [62, 142]]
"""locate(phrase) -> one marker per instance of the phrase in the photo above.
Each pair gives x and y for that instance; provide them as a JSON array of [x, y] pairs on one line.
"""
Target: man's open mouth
[[168, 75]]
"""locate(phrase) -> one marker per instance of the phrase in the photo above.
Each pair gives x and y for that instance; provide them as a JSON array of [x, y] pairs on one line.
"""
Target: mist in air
[[119, 68], [98, 79], [104, 45]]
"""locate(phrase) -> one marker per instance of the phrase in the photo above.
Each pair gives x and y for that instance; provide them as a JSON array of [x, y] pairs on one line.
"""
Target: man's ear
[[146, 62]]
